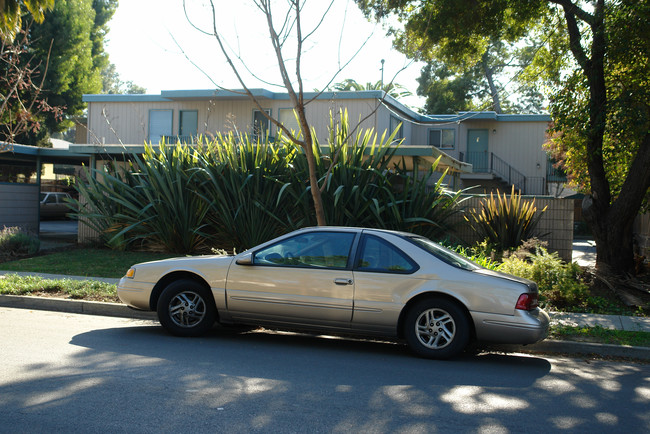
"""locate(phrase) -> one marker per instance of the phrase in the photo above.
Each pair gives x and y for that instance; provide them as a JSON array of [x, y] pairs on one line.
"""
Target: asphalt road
[[63, 372]]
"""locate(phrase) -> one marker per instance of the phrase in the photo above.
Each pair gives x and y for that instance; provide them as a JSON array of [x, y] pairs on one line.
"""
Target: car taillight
[[528, 301]]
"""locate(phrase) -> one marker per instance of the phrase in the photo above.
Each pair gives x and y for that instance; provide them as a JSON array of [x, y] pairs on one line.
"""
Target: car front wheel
[[436, 328], [185, 308]]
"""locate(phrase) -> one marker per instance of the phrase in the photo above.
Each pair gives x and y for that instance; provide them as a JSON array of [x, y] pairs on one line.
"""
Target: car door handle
[[343, 281]]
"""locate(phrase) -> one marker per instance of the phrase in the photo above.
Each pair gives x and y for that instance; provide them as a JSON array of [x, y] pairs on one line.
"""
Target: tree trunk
[[313, 184], [613, 236], [489, 76]]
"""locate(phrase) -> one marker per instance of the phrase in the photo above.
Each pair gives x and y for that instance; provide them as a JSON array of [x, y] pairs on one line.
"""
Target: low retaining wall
[[556, 224]]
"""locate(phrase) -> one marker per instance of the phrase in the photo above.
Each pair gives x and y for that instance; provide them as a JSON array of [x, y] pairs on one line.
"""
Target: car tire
[[186, 308], [436, 328]]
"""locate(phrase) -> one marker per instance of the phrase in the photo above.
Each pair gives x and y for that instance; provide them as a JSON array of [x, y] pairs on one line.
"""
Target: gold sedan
[[345, 280]]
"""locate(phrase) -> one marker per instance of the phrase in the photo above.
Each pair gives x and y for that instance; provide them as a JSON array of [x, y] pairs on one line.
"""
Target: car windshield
[[445, 255]]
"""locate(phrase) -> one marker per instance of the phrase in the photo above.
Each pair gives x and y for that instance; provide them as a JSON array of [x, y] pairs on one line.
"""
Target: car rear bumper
[[524, 327]]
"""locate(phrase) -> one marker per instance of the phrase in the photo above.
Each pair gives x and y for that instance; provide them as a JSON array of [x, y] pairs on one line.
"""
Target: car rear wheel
[[185, 308], [436, 328]]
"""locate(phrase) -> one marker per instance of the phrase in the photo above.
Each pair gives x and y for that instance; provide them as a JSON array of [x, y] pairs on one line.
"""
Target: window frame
[[442, 145], [267, 131], [360, 251], [180, 123], [353, 237], [400, 133], [171, 124]]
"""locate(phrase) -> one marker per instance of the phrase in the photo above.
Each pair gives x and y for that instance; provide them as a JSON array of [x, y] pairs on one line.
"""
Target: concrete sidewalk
[[614, 322]]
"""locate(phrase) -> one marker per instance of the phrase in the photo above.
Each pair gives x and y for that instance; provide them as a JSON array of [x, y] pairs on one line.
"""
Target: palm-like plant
[[395, 90], [151, 205], [505, 222], [246, 187]]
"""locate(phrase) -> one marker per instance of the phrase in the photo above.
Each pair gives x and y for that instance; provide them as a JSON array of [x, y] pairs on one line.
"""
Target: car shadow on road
[[262, 352]]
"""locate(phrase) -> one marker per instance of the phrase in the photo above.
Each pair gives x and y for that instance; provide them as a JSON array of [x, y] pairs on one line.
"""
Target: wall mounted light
[[494, 131], [539, 166]]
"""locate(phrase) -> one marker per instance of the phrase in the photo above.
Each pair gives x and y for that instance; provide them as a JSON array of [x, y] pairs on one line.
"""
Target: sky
[[154, 44]]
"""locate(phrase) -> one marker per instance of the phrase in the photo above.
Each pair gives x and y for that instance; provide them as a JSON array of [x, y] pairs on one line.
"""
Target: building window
[[261, 124], [160, 124], [188, 123], [288, 119], [443, 139], [394, 123]]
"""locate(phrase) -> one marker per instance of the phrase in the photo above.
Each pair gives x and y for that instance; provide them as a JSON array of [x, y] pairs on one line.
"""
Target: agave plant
[[422, 205], [150, 205], [233, 193], [505, 222], [246, 187]]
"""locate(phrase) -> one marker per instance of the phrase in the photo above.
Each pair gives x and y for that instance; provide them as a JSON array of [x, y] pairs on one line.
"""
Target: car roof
[[354, 229]]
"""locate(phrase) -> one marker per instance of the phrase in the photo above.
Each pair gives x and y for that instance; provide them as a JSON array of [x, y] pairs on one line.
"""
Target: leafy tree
[[11, 12], [112, 84], [395, 90], [600, 107], [447, 92], [69, 44], [459, 63]]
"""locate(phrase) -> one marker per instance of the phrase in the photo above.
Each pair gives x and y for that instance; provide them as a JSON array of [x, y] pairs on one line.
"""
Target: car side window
[[378, 255], [319, 250]]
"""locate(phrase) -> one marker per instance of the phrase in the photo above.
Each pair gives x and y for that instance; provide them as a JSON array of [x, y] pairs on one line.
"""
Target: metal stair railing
[[508, 173]]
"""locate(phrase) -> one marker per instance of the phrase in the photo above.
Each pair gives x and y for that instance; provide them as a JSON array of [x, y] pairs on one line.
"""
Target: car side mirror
[[245, 259]]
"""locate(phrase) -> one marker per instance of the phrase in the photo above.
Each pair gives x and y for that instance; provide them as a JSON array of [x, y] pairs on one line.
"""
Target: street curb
[[74, 306], [123, 311], [573, 347]]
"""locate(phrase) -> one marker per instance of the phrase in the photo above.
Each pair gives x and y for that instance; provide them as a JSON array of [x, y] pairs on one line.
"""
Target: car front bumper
[[133, 293]]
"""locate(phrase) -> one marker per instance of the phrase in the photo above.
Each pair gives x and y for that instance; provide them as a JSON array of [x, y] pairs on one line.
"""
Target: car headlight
[[131, 273]]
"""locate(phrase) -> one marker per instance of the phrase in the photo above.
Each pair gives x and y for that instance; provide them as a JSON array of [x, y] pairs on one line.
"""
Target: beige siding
[[128, 122], [19, 205], [517, 143]]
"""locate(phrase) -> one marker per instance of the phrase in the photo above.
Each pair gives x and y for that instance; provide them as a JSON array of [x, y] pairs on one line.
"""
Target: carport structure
[[19, 201]]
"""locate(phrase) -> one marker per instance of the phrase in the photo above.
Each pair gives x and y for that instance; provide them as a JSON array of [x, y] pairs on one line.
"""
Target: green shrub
[[364, 187], [247, 188], [15, 242], [478, 256], [150, 205], [560, 285], [505, 222]]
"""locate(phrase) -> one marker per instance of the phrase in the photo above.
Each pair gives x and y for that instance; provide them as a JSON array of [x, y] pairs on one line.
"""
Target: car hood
[[529, 283]]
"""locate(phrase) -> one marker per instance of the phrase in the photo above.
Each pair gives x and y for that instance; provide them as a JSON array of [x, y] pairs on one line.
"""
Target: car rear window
[[444, 254]]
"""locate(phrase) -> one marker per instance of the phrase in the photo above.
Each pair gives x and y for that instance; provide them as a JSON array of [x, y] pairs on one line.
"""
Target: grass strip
[[84, 262], [601, 335], [92, 290]]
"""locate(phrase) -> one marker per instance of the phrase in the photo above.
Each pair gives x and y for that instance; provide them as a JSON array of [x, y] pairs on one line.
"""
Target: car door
[[383, 276], [304, 279]]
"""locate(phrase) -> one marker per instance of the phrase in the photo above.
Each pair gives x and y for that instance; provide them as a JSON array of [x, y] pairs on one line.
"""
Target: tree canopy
[[465, 56], [69, 43], [11, 15], [594, 59], [113, 84]]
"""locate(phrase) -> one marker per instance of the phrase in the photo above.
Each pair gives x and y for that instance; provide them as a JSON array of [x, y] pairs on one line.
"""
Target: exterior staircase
[[495, 168]]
